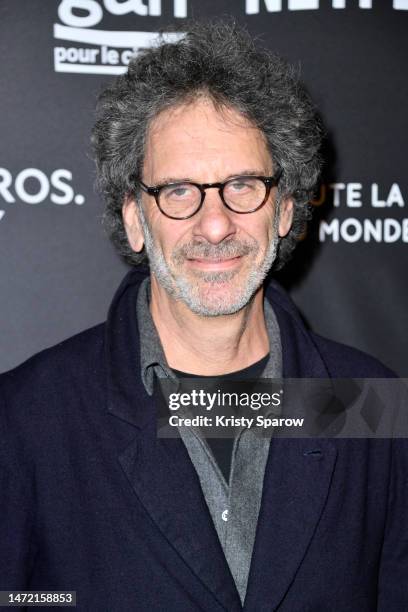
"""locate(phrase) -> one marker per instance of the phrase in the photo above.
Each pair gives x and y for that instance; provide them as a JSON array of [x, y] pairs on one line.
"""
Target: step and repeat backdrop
[[58, 271]]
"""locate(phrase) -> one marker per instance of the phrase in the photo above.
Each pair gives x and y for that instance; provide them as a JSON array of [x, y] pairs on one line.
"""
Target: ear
[[132, 224], [286, 216]]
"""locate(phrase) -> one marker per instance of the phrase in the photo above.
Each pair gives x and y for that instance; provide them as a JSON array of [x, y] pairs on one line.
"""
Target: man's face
[[215, 261]]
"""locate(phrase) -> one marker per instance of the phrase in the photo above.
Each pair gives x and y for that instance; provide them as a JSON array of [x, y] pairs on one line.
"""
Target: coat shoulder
[[347, 362], [71, 364]]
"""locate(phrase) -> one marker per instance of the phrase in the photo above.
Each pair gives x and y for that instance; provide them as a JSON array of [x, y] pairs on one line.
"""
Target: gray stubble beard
[[183, 290]]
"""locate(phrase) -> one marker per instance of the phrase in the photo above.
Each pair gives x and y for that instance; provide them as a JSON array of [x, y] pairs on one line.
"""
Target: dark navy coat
[[92, 501]]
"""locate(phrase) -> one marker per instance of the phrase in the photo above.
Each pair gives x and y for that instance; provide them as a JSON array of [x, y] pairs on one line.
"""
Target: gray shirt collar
[[152, 357]]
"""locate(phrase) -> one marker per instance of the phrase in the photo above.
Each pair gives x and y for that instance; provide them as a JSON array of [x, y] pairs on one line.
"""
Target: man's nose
[[215, 222]]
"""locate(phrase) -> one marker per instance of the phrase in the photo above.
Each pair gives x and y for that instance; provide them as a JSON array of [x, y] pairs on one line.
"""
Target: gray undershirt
[[234, 506]]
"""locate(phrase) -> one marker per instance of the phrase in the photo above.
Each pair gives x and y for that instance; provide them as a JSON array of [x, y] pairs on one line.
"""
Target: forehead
[[203, 143]]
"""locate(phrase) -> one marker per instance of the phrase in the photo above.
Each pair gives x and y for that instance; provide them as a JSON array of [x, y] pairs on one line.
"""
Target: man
[[207, 153]]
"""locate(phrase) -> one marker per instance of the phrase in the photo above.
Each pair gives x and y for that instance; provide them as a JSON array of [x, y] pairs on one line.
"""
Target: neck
[[209, 345]]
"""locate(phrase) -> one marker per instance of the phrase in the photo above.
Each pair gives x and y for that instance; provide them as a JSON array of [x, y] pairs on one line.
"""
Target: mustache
[[206, 250]]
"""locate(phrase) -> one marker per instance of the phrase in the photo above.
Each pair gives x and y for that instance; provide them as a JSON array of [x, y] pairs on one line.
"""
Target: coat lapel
[[163, 478], [296, 483], [160, 471]]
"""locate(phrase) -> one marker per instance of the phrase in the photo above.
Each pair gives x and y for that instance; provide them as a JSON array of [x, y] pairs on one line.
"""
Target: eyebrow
[[172, 179]]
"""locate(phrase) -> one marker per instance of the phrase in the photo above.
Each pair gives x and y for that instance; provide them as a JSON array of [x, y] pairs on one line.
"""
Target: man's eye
[[178, 192], [240, 185], [181, 191]]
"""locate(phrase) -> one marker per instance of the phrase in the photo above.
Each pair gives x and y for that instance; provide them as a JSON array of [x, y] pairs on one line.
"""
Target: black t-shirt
[[221, 448]]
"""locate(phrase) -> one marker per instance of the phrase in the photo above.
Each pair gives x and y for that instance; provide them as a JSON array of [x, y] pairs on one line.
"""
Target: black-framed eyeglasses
[[241, 194]]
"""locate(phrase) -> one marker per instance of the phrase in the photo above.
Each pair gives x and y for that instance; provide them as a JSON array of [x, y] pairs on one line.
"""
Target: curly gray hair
[[218, 59]]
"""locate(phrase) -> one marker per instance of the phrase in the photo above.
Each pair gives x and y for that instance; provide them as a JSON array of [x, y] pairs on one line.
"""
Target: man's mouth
[[214, 263], [228, 256]]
